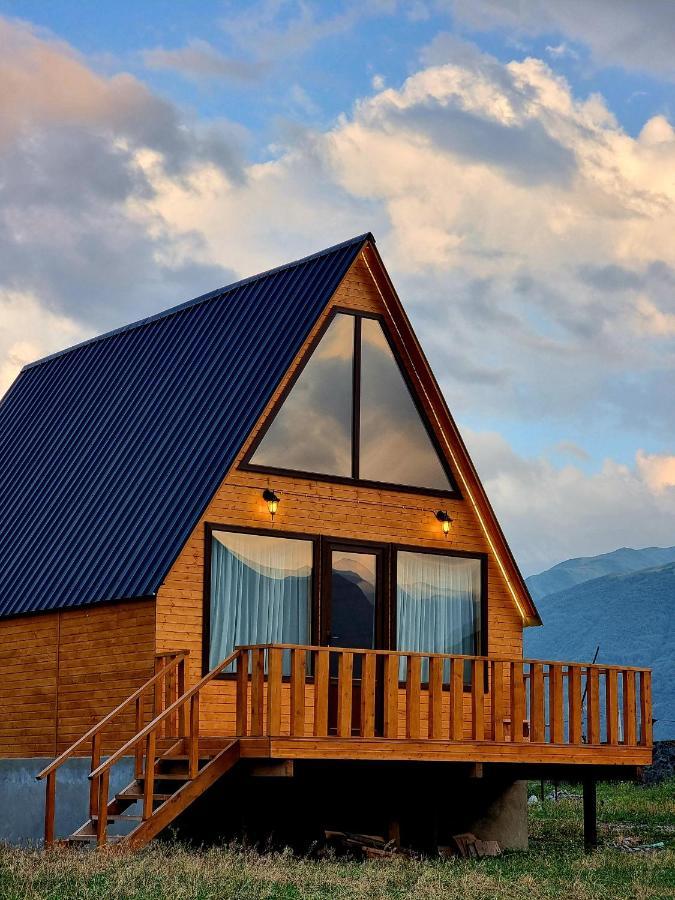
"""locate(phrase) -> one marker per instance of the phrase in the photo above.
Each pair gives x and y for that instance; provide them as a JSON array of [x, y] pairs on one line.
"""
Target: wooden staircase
[[170, 772]]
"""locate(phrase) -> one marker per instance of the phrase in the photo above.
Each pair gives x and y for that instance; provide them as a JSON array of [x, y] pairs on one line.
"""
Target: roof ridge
[[202, 298]]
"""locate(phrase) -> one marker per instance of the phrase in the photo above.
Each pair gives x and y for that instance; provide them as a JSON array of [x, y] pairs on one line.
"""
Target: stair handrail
[[99, 726], [157, 721], [94, 735]]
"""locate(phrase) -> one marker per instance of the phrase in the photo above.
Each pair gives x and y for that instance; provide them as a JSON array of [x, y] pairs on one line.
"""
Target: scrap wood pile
[[370, 846]]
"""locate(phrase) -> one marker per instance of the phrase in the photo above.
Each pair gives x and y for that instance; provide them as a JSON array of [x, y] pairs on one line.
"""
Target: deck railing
[[303, 691]]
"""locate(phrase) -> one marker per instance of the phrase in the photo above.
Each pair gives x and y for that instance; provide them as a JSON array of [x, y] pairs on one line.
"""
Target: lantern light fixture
[[445, 520], [272, 502]]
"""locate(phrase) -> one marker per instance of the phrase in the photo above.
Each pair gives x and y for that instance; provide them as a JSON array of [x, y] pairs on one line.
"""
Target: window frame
[[209, 529], [354, 479]]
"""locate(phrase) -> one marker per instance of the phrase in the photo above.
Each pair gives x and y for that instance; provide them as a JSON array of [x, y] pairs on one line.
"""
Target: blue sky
[[516, 161]]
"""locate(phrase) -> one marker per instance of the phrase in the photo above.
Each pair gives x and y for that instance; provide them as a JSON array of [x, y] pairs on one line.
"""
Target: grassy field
[[554, 867]]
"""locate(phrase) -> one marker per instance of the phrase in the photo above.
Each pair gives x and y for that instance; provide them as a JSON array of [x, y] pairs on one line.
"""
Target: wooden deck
[[300, 702]]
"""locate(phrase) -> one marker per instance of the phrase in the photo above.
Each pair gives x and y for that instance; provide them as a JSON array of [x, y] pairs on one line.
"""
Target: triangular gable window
[[334, 404]]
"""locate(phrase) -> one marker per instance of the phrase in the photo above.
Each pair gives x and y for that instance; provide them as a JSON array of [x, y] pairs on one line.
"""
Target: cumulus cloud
[[618, 32], [552, 513], [72, 190]]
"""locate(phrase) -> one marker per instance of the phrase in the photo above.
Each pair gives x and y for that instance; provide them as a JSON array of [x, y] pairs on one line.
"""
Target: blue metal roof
[[111, 450]]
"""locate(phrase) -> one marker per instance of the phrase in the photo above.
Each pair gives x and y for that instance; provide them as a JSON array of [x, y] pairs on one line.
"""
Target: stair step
[[89, 838], [138, 795], [116, 817], [168, 776]]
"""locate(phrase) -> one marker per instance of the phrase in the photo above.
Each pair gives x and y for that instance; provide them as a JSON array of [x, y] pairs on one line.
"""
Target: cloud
[[199, 60], [618, 32], [75, 233], [553, 513], [657, 470]]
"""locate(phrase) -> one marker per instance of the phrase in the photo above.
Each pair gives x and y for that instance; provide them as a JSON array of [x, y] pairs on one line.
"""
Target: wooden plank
[[435, 698], [629, 710], [274, 675], [321, 660], [367, 722], [102, 820], [95, 763], [612, 706], [646, 729], [149, 775], [193, 741], [345, 690], [241, 720], [498, 699], [477, 700], [257, 692], [298, 679], [391, 665], [574, 707], [456, 722], [555, 704], [50, 808], [537, 715], [593, 704], [517, 701], [412, 696]]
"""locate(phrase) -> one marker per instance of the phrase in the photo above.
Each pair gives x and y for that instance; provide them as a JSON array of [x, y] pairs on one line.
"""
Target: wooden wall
[[324, 508], [61, 672]]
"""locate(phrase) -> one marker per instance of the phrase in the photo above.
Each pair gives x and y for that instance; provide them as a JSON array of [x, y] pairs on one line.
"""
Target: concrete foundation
[[22, 798]]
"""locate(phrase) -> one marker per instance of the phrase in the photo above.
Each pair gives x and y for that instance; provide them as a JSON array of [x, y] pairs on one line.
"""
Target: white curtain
[[438, 603], [260, 591]]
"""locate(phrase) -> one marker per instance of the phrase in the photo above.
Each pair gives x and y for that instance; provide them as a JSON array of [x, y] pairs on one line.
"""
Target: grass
[[554, 867]]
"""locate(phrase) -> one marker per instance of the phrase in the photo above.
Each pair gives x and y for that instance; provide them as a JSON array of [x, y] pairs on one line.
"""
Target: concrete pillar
[[500, 812]]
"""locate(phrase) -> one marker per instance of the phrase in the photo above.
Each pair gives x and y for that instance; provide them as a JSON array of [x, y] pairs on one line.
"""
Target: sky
[[515, 160]]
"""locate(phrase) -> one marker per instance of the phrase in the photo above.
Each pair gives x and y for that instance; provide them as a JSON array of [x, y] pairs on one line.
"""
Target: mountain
[[631, 616], [574, 571]]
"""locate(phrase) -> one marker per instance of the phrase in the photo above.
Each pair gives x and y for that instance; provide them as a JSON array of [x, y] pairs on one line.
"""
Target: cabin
[[250, 583]]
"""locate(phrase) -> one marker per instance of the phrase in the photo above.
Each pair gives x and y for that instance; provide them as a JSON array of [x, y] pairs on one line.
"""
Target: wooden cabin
[[245, 554]]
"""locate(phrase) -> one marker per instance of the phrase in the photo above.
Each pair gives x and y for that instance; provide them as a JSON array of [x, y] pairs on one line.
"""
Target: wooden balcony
[[334, 703]]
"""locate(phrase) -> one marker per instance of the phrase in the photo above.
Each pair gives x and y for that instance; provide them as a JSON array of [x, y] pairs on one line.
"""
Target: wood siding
[[61, 672], [330, 509]]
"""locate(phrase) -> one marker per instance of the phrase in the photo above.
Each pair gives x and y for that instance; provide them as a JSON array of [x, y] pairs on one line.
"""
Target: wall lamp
[[445, 521], [272, 502]]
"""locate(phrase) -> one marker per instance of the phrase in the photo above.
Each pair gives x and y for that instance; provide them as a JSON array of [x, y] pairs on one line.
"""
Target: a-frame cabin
[[244, 537]]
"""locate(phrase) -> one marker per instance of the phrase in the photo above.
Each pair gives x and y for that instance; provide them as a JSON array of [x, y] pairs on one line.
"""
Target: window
[[351, 415], [260, 591], [393, 437], [438, 603], [312, 432]]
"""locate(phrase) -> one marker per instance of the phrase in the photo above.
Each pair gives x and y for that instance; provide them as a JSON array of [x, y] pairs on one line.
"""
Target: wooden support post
[[50, 806], [391, 662], [321, 660], [629, 714], [590, 814], [274, 674], [435, 698], [193, 740], [497, 700], [412, 697], [102, 820], [345, 686], [477, 701], [257, 691], [95, 763], [298, 680], [367, 723], [242, 693], [149, 775], [456, 699], [180, 690]]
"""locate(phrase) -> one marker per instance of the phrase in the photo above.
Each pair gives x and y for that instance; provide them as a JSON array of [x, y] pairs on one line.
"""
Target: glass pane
[[438, 603], [353, 589], [395, 445], [312, 430], [260, 591]]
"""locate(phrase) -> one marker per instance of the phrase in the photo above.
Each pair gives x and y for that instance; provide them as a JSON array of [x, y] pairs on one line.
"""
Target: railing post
[[456, 699], [257, 691], [612, 705], [345, 684], [413, 677], [321, 681], [497, 699], [242, 693], [574, 705], [149, 775], [298, 673], [477, 700], [435, 698], [537, 717], [102, 814], [95, 763], [50, 808], [180, 690], [555, 702], [646, 725], [193, 741], [274, 672], [391, 662], [517, 701], [593, 705], [629, 710], [367, 723]]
